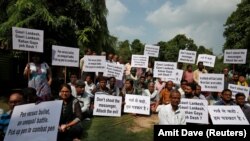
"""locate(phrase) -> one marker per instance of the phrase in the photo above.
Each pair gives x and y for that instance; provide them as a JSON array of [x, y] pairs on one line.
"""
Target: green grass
[[114, 129]]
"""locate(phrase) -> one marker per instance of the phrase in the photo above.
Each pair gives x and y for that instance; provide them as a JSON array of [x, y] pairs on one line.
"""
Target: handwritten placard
[[31, 122], [94, 63], [27, 39], [227, 115], [164, 69], [208, 60], [65, 56], [211, 82], [151, 50], [187, 56], [235, 56], [107, 105], [137, 104], [239, 89], [114, 70]]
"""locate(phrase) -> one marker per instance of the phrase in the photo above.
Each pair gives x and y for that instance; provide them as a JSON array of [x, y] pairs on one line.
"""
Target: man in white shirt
[[170, 114]]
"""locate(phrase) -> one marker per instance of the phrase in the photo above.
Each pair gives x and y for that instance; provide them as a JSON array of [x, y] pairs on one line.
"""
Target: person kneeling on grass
[[70, 127]]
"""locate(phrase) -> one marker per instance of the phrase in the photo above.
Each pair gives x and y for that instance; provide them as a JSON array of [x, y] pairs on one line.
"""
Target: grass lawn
[[115, 129]]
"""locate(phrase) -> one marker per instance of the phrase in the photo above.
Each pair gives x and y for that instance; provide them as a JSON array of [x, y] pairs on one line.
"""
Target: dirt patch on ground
[[144, 122]]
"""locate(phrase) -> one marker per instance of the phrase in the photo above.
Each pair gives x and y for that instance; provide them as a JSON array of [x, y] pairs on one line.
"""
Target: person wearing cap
[[83, 98]]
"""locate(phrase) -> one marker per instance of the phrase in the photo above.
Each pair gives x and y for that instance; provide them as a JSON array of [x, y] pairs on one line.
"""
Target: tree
[[76, 23], [237, 29], [137, 47], [124, 50]]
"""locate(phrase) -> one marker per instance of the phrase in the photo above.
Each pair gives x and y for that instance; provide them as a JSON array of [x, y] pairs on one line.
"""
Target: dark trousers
[[71, 133]]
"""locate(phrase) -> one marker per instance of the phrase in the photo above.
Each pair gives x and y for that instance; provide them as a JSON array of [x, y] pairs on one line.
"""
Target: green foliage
[[137, 47], [237, 29], [124, 50]]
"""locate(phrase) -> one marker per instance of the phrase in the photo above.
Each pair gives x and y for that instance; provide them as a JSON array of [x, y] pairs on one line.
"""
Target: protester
[[16, 98], [153, 94], [171, 114], [226, 98], [70, 121], [40, 76], [240, 100], [72, 83], [199, 71]]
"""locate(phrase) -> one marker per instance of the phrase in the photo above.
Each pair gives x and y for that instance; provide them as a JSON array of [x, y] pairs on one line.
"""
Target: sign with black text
[[195, 110], [65, 56], [239, 89], [107, 105], [211, 82], [137, 104], [27, 39], [94, 63], [208, 60], [139, 61], [235, 56], [35, 122], [114, 70], [187, 56], [151, 50], [164, 69], [227, 115]]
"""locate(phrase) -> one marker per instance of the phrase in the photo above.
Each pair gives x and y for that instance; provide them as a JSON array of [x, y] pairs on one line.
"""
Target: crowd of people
[[78, 94]]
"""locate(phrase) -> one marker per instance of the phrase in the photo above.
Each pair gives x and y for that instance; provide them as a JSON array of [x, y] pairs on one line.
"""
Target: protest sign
[[227, 115], [164, 69], [114, 70], [176, 76], [139, 61], [208, 60], [239, 89], [235, 56], [94, 63], [137, 104], [187, 56], [27, 39], [107, 105], [151, 50], [211, 82], [35, 122], [195, 110], [65, 56]]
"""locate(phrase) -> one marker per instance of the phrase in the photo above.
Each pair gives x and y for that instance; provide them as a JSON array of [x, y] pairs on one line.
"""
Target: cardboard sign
[[94, 63], [176, 76], [208, 60], [227, 115], [65, 56], [187, 56], [239, 89], [137, 104], [139, 61], [211, 82], [151, 50], [32, 122], [107, 105], [27, 39], [195, 110], [235, 56], [164, 69], [114, 70]]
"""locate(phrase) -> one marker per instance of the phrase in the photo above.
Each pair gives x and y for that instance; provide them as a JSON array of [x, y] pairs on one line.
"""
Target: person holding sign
[[171, 114], [226, 98], [154, 96], [240, 100], [198, 71], [70, 121], [40, 76]]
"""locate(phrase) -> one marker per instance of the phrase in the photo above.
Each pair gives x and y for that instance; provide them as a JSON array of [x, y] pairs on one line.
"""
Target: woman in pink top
[[188, 74]]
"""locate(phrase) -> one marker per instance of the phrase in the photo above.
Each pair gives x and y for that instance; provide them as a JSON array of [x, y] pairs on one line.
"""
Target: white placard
[[195, 110], [139, 61], [164, 69], [94, 63], [211, 82], [239, 89], [137, 104], [65, 56], [208, 60], [227, 115], [107, 105], [176, 76], [27, 39], [35, 122], [187, 56], [114, 70], [151, 50], [235, 56]]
